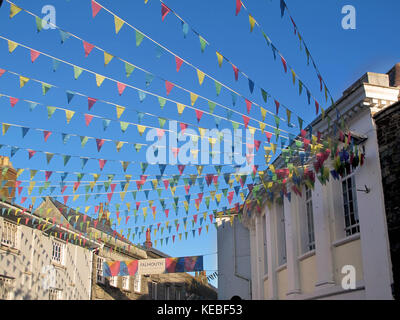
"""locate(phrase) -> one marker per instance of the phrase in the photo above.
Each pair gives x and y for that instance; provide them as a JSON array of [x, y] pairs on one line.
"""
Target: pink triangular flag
[[236, 71], [160, 133], [169, 86], [121, 88], [257, 144], [175, 152], [284, 63], [269, 136], [277, 104], [46, 135], [13, 101], [91, 102], [88, 119], [238, 6], [88, 47], [246, 121], [183, 127], [166, 184], [99, 143], [199, 114], [179, 62], [164, 11], [95, 8], [248, 106], [2, 71], [34, 55], [166, 212], [31, 153], [65, 199], [48, 174], [181, 168], [102, 163]]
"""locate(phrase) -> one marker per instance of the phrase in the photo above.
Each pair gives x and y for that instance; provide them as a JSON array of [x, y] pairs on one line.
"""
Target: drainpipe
[[235, 264]]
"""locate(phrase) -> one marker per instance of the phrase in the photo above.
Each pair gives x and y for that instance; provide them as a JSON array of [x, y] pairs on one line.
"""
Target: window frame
[[309, 223], [113, 281], [126, 283], [349, 189], [57, 294], [61, 259], [9, 230], [99, 270], [6, 284], [137, 283]]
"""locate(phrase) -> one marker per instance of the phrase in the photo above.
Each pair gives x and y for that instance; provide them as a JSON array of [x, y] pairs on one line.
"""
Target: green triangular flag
[[77, 72], [218, 87], [128, 69], [162, 102], [39, 24], [203, 43], [211, 105], [45, 88], [264, 95], [139, 38], [50, 111]]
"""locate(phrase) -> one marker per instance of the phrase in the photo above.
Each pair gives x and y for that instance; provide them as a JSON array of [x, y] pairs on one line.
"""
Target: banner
[[152, 266]]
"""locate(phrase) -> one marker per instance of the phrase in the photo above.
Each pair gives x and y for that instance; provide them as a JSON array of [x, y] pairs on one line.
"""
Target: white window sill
[[346, 240], [306, 255], [9, 249], [58, 265], [282, 267]]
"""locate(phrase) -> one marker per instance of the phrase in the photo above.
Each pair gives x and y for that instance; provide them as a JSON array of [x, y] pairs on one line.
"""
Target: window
[[57, 255], [137, 285], [55, 294], [5, 288], [310, 220], [125, 283], [99, 270], [167, 292], [153, 290], [9, 236], [350, 202], [281, 236], [114, 282]]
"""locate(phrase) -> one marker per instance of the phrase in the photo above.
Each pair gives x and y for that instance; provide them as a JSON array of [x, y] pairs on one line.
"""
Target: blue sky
[[342, 56]]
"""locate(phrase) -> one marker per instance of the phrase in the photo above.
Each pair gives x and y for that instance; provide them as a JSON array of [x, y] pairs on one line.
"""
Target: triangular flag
[[139, 38], [179, 62], [77, 72], [91, 102], [14, 10], [12, 46], [88, 119], [121, 87], [200, 75], [69, 114], [164, 11], [220, 58], [168, 86], [107, 58], [95, 8], [99, 80], [118, 24], [34, 55], [23, 81], [88, 47]]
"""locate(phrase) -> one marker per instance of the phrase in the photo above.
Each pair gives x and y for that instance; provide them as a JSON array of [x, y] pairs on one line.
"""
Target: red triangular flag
[[2, 71], [166, 212], [316, 107], [269, 136], [187, 189], [109, 196], [200, 196], [169, 86], [88, 119], [183, 127], [284, 64], [230, 197], [248, 106], [88, 47], [95, 8], [246, 121], [99, 143], [238, 6], [166, 184], [65, 199], [209, 178], [31, 153], [91, 102], [211, 216], [138, 204], [160, 133], [236, 71], [179, 62], [102, 163], [34, 55], [257, 144], [46, 135], [121, 88], [13, 101], [277, 104], [181, 168], [199, 114], [48, 174], [164, 11], [63, 189]]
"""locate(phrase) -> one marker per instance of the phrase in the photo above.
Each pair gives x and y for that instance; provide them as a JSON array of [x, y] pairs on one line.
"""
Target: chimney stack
[[148, 244]]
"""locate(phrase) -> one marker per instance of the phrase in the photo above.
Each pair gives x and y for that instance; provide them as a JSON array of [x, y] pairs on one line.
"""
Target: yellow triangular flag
[[263, 113], [252, 22], [262, 127], [141, 129], [180, 107], [118, 24], [193, 98], [75, 198], [107, 58], [173, 189], [23, 81], [252, 130], [99, 79], [14, 10], [194, 153], [202, 132], [120, 111], [69, 114], [201, 75], [220, 58], [12, 46], [218, 196]]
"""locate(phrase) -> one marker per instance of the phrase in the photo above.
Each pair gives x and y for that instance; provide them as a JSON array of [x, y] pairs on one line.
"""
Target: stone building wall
[[388, 132]]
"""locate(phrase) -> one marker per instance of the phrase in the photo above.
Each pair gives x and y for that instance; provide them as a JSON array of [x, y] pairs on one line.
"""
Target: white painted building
[[234, 274], [299, 248]]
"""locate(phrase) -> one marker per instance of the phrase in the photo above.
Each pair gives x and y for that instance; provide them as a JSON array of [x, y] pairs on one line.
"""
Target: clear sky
[[342, 56]]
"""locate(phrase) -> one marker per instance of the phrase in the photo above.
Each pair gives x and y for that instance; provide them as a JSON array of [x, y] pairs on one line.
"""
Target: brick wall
[[388, 132]]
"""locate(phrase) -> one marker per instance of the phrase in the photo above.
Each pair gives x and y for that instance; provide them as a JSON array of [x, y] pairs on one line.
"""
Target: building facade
[[313, 246]]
